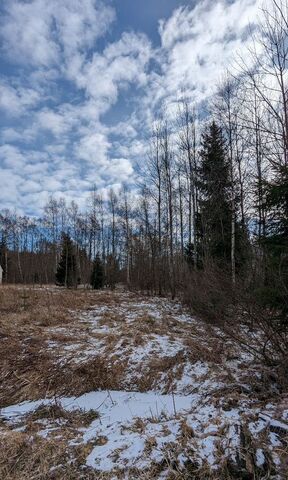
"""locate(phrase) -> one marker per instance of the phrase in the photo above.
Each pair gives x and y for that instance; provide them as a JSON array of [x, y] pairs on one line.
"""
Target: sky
[[82, 80]]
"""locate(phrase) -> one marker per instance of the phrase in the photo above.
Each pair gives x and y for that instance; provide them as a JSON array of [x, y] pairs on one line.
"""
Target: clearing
[[118, 385]]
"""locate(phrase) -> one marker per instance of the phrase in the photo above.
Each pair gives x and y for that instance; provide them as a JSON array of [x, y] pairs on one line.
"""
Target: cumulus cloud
[[210, 20], [11, 157]]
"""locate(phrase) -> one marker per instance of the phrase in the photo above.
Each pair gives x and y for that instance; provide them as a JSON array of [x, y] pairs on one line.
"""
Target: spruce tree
[[66, 274], [97, 276], [274, 294], [215, 204], [111, 271], [189, 255], [4, 258]]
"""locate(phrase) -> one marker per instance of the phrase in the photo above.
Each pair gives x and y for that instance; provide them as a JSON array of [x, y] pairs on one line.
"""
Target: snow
[[124, 445], [136, 428], [118, 410], [260, 457], [114, 406]]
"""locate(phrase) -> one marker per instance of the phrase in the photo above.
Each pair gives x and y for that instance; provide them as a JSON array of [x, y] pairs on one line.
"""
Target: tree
[[274, 293], [189, 255], [215, 206], [153, 173], [187, 146], [112, 271], [67, 272], [126, 213], [4, 258], [169, 189], [97, 276], [227, 106]]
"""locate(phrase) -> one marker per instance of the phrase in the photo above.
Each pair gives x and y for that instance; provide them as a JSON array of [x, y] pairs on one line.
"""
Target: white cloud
[[80, 23], [121, 63], [56, 122], [213, 21], [93, 148], [29, 186], [26, 33], [124, 129], [17, 100], [10, 134], [9, 193], [134, 148], [40, 31], [118, 169], [57, 42], [11, 157], [198, 44]]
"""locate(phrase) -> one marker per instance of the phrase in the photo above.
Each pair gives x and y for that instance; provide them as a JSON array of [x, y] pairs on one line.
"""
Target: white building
[[1, 274]]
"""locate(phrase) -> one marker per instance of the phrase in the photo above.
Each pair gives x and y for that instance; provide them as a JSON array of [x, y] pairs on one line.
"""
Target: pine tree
[[97, 276], [215, 204], [66, 274]]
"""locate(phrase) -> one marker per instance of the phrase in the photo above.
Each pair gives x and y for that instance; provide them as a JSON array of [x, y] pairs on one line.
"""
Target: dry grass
[[27, 319], [54, 459], [44, 332], [54, 411], [41, 459], [45, 342], [33, 318]]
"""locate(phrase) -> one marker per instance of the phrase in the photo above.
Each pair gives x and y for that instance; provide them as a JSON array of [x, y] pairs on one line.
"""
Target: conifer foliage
[[274, 292], [97, 276], [215, 206], [67, 272]]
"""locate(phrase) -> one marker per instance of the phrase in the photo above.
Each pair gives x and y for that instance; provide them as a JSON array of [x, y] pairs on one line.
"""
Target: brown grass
[[54, 411], [52, 459], [23, 459], [30, 318], [28, 370]]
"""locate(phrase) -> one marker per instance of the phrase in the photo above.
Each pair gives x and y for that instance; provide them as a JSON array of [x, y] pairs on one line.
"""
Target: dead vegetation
[[55, 412], [55, 342], [21, 458], [29, 319], [50, 346]]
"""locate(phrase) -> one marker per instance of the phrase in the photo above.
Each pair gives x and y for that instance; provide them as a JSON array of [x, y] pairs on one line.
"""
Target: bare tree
[[187, 144]]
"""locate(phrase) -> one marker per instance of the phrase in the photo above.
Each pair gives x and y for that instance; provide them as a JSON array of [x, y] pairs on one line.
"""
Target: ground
[[119, 385]]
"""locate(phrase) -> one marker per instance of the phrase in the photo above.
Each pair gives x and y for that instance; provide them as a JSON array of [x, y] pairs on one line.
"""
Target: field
[[117, 385]]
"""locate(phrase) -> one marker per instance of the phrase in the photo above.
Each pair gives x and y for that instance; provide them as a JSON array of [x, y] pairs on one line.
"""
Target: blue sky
[[81, 80]]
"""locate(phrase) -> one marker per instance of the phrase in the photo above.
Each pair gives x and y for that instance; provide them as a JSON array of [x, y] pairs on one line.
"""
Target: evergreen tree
[[215, 205], [112, 270], [4, 258], [275, 291], [66, 274], [189, 254], [97, 276], [193, 256]]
